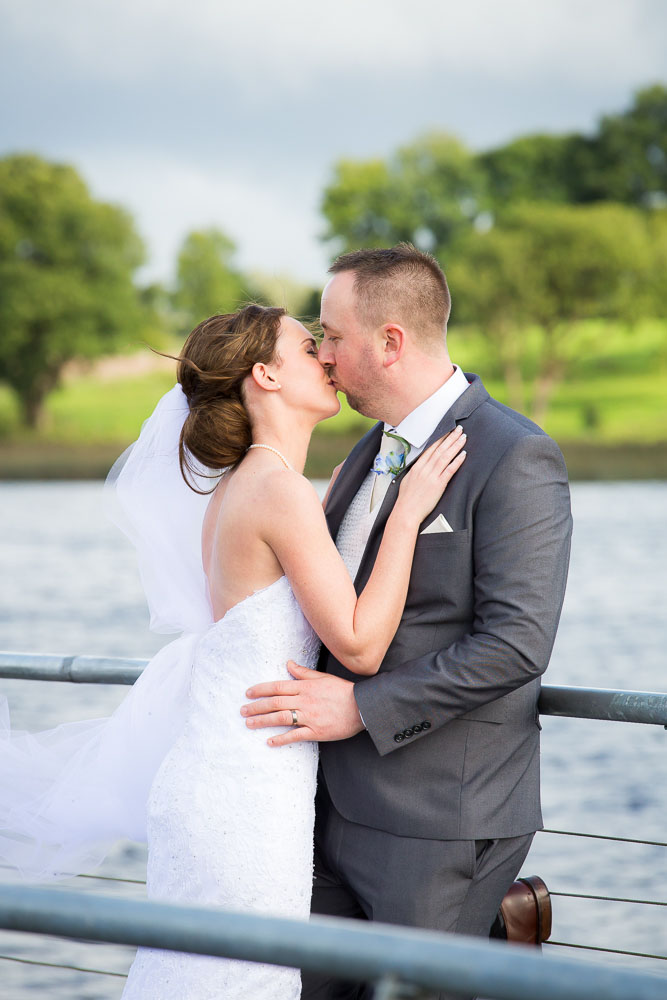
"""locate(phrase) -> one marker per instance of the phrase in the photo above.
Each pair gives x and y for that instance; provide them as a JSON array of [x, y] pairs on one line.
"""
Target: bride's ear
[[262, 376]]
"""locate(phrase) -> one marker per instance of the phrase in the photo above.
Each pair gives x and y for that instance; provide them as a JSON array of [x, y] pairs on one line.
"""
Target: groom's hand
[[325, 707]]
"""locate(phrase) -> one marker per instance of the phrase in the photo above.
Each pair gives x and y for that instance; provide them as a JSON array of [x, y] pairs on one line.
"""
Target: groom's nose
[[325, 355]]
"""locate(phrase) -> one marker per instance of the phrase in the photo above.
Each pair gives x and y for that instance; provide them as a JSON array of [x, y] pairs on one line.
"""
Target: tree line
[[536, 236], [68, 287]]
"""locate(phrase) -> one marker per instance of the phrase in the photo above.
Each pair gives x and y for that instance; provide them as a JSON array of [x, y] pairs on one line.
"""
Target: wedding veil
[[67, 795]]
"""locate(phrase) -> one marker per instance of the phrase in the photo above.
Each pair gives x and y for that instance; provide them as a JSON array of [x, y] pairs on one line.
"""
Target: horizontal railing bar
[[552, 892], [608, 899], [601, 703], [113, 878], [648, 707], [76, 669], [101, 878], [62, 965], [608, 951], [606, 836], [340, 948]]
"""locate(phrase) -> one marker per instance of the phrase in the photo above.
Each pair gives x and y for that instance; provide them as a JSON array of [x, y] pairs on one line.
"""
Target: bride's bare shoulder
[[284, 487], [256, 490]]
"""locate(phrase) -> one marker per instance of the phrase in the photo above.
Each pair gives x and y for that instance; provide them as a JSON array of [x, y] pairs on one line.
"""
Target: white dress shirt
[[418, 426]]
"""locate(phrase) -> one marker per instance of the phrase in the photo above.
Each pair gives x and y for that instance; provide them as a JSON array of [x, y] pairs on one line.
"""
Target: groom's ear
[[394, 344]]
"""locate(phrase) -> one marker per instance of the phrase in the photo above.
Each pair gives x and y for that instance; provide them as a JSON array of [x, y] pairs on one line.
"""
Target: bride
[[252, 578]]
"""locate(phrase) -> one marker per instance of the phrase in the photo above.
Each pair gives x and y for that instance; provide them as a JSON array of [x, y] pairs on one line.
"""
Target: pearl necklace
[[275, 452]]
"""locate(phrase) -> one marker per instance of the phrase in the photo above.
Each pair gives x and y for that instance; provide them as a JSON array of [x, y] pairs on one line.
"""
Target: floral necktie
[[394, 451]]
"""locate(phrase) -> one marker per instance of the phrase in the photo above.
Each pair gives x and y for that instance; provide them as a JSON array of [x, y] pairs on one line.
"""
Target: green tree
[[66, 268], [356, 205], [161, 324], [487, 277], [626, 161], [206, 281], [657, 230], [531, 283], [532, 168], [427, 193]]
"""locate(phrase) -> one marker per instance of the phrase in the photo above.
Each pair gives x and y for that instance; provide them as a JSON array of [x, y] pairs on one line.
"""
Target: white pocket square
[[440, 524]]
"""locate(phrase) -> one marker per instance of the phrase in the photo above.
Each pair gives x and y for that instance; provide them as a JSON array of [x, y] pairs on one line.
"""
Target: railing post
[[392, 988]]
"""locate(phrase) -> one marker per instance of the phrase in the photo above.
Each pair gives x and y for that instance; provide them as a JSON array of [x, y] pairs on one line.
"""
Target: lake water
[[69, 585]]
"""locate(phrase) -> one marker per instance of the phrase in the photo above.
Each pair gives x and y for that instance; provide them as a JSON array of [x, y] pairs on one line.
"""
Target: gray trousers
[[446, 885]]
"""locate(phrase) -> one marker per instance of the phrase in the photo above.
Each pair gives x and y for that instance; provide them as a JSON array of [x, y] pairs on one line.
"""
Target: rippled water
[[70, 585]]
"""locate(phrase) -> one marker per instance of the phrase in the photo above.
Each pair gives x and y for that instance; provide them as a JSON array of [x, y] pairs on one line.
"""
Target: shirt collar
[[418, 426]]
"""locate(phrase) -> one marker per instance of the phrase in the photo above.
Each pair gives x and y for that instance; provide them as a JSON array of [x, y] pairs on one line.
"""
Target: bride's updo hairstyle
[[216, 359]]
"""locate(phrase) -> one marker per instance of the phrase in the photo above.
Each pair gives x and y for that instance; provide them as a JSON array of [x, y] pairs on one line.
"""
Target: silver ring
[[295, 721]]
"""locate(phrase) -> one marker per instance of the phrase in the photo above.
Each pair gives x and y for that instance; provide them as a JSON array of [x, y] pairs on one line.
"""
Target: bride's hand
[[423, 485]]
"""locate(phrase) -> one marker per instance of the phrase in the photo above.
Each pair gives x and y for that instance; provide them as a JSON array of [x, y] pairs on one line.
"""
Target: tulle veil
[[67, 795]]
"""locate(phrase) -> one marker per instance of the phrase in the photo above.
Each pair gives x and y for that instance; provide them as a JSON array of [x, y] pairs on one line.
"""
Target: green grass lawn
[[614, 396], [615, 390], [89, 410]]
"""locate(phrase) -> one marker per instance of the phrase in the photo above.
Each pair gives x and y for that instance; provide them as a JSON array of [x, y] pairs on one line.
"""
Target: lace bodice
[[230, 819], [250, 644]]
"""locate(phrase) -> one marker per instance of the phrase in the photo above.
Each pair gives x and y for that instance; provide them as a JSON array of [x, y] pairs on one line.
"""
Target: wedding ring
[[295, 721]]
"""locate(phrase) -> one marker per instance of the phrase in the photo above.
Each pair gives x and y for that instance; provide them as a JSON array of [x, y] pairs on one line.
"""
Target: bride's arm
[[357, 630]]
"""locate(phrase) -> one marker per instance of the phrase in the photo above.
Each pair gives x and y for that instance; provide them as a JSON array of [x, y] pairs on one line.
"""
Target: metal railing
[[647, 707], [401, 961]]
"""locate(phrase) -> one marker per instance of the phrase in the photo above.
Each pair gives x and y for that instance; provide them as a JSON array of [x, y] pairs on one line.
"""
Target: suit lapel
[[460, 409]]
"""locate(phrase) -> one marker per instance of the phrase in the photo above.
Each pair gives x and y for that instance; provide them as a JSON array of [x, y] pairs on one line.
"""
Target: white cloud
[[297, 41], [222, 113], [274, 226]]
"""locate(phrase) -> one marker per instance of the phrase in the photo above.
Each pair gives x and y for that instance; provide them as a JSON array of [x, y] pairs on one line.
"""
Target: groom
[[429, 792]]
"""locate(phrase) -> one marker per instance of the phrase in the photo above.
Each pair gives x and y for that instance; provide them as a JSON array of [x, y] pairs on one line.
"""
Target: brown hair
[[216, 359], [400, 283]]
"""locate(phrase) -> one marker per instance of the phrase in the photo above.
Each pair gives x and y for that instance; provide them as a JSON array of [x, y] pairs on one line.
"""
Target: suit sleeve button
[[416, 729], [398, 737], [408, 733], [426, 725]]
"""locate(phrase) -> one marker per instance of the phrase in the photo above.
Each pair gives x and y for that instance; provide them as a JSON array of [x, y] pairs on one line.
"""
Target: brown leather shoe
[[525, 913]]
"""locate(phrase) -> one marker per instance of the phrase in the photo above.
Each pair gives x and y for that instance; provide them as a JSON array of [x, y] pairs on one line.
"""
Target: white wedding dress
[[230, 819]]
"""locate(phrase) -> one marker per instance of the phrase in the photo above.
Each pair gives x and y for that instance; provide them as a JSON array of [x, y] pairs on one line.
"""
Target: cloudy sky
[[231, 114]]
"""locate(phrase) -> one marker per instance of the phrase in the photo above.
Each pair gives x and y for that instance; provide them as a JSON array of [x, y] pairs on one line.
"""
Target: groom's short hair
[[400, 284]]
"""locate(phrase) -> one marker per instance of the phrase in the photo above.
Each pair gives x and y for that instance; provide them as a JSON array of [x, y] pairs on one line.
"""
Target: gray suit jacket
[[452, 742]]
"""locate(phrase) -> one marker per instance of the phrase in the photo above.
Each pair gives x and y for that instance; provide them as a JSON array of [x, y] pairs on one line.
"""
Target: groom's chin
[[359, 406]]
